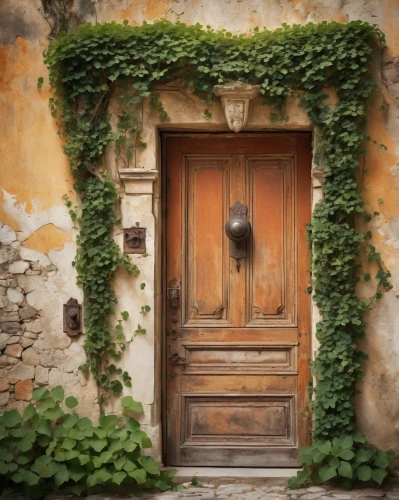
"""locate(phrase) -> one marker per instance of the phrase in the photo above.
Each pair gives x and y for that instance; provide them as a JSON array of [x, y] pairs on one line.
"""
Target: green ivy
[[47, 449], [306, 62]]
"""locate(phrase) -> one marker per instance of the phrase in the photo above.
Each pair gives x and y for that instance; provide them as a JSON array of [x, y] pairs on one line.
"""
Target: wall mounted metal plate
[[72, 318], [134, 240]]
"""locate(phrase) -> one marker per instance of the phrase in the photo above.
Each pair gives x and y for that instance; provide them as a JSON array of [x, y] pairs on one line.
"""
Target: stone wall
[[31, 354]]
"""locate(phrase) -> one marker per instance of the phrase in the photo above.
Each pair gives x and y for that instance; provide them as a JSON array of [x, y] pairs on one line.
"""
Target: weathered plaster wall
[[35, 259]]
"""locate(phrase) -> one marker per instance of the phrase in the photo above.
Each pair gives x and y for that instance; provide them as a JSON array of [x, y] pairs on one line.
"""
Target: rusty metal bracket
[[134, 240], [72, 318]]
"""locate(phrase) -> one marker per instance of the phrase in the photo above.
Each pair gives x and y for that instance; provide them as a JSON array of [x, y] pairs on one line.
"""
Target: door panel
[[237, 331]]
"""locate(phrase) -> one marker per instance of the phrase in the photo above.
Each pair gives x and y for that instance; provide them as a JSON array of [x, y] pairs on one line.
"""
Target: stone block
[[13, 350], [19, 405], [26, 342], [11, 361], [11, 307], [23, 390], [3, 256], [29, 272], [10, 327], [31, 357], [34, 327], [30, 335], [13, 339], [4, 398], [9, 316], [30, 283], [27, 312], [20, 372], [4, 301], [47, 358], [34, 256], [41, 375], [18, 267], [15, 295], [4, 384], [7, 235]]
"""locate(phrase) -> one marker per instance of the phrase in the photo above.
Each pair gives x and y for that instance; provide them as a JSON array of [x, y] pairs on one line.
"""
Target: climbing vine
[[307, 62]]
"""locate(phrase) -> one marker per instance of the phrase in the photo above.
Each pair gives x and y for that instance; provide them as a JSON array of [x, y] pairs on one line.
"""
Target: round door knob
[[238, 228]]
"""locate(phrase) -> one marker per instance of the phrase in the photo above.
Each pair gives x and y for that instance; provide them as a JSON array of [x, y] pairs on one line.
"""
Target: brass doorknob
[[238, 228]]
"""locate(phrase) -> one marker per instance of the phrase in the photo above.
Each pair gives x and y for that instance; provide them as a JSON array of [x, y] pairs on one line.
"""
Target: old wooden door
[[237, 331]]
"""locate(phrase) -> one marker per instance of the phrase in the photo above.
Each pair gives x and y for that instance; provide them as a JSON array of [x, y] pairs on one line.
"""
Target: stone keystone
[[235, 98]]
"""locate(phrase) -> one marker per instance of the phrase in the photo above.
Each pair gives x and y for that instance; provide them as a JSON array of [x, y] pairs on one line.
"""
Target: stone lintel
[[138, 180]]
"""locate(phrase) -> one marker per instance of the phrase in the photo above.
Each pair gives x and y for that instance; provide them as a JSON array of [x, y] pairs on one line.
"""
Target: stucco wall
[[38, 235]]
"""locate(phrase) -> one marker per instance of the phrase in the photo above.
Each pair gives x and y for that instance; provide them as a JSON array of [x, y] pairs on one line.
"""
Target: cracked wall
[[38, 237]]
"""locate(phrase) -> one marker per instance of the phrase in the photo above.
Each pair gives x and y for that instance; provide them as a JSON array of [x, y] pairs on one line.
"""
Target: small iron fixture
[[238, 229], [134, 240], [72, 318]]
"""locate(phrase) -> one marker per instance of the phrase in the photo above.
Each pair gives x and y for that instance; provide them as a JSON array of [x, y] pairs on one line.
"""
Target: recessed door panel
[[237, 315]]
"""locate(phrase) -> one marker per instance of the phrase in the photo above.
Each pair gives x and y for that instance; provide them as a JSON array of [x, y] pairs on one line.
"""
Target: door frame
[[162, 232]]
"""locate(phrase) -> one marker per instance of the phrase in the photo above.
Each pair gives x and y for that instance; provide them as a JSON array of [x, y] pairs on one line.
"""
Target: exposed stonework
[[30, 341]]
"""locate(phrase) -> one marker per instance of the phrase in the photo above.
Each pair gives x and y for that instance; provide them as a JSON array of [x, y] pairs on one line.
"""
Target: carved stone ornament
[[235, 97]]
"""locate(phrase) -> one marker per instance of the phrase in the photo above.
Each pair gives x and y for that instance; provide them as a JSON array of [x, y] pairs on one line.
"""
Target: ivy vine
[[88, 65]]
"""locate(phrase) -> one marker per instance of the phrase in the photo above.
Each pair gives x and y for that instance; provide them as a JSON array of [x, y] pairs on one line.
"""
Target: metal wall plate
[[72, 318], [134, 240]]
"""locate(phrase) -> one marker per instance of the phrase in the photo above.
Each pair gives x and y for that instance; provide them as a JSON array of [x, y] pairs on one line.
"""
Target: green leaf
[[58, 393], [346, 454], [345, 469], [381, 460], [40, 81], [363, 455], [40, 394], [53, 413], [11, 418], [326, 473], [118, 477], [29, 412], [124, 315], [346, 442], [324, 447], [25, 445], [128, 403], [364, 473], [139, 475], [378, 475], [149, 464], [71, 402], [108, 421], [44, 427], [62, 476], [30, 478], [98, 444], [68, 444]]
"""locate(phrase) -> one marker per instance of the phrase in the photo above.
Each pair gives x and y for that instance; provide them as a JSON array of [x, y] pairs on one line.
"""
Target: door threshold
[[232, 472]]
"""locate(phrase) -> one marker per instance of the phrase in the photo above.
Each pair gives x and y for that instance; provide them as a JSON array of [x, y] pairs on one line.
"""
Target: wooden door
[[237, 337]]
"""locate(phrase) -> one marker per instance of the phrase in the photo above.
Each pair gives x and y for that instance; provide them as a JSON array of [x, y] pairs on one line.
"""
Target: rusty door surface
[[237, 333]]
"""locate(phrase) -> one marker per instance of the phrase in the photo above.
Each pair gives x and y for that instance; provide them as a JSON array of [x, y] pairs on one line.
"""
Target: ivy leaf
[[326, 473], [128, 403], [11, 418], [149, 464], [71, 402], [378, 475], [57, 393], [138, 475], [364, 473], [345, 470]]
